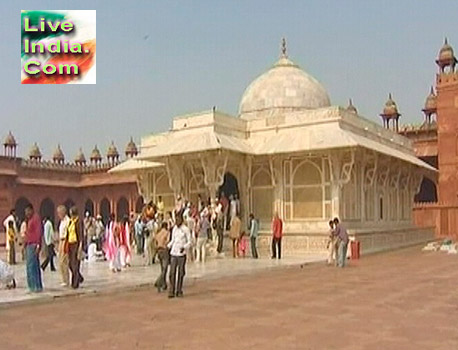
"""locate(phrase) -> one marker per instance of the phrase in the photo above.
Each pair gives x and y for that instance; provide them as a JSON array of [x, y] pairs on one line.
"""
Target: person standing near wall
[[180, 242], [10, 243], [253, 227], [234, 234], [33, 239], [162, 239], [341, 235], [11, 227], [48, 238], [202, 235], [75, 242], [62, 250], [277, 234]]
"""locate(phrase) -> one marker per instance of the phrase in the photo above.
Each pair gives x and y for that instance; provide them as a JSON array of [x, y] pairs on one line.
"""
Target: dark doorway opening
[[105, 210], [47, 209], [139, 205], [122, 208], [89, 207], [229, 187], [69, 203], [20, 205], [428, 191]]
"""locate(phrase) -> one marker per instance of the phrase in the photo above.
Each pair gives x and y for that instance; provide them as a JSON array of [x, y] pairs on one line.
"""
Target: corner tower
[[447, 124]]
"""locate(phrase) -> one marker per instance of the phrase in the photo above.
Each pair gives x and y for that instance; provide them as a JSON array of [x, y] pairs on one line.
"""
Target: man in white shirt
[[63, 254], [181, 241], [48, 230]]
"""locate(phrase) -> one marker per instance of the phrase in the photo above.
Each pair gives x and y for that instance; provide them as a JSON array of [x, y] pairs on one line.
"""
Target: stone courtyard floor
[[402, 300], [99, 279]]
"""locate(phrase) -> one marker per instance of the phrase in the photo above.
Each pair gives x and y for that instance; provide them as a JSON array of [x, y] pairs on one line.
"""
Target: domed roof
[[431, 101], [10, 140], [112, 151], [58, 154], [95, 154], [34, 152], [80, 158], [131, 148], [390, 109], [284, 87], [351, 108], [446, 52]]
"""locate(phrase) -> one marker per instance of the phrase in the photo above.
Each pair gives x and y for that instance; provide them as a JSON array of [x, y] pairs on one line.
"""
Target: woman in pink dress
[[124, 243], [111, 245]]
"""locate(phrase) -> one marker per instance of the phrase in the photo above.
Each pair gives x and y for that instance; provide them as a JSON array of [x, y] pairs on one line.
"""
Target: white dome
[[283, 88]]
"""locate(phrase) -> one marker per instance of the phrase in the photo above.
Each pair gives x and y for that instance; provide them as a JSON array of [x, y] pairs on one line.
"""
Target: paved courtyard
[[99, 279], [398, 300]]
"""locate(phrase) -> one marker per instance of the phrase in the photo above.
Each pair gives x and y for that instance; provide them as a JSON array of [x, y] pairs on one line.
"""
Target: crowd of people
[[171, 239], [187, 233]]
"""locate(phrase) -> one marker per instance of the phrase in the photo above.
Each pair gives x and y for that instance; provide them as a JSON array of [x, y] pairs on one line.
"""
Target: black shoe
[[171, 296], [53, 270], [180, 295]]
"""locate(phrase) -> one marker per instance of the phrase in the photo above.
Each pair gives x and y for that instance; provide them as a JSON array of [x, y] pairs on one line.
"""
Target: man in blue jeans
[[32, 243], [342, 237]]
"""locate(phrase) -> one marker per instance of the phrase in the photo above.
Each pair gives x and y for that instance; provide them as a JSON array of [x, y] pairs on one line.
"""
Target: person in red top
[[32, 244], [277, 234]]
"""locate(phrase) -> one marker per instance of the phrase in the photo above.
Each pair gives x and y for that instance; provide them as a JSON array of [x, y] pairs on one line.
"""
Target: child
[[117, 251], [7, 275], [11, 242], [242, 244], [331, 244]]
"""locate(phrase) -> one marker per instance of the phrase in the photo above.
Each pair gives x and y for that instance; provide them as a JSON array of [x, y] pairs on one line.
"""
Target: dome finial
[[283, 48]]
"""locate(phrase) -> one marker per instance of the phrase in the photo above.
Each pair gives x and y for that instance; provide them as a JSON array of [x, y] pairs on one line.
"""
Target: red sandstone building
[[436, 142], [46, 184]]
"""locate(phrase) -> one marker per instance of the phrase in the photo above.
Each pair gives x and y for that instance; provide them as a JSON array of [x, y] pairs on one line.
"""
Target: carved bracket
[[196, 175], [415, 181], [249, 164], [174, 175], [274, 175], [405, 180], [383, 175], [395, 177], [143, 187], [370, 166], [214, 166], [341, 167]]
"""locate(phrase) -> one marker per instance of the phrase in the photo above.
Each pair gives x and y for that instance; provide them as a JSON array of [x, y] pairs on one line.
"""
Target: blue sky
[[204, 53]]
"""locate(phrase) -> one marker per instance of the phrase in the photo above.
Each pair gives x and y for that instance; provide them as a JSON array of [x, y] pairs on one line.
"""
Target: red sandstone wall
[[59, 184], [442, 216]]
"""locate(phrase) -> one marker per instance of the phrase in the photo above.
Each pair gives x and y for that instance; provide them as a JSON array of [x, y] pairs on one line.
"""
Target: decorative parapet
[[417, 128], [68, 167], [434, 205]]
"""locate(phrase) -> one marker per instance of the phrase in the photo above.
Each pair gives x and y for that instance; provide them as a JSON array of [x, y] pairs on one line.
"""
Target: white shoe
[[63, 284]]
